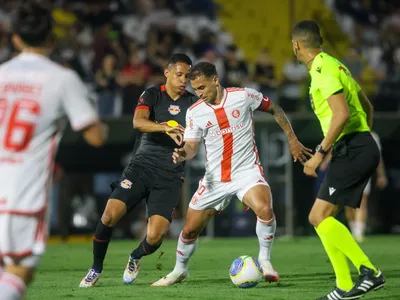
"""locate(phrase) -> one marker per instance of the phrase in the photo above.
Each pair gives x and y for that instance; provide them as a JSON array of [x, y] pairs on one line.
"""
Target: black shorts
[[160, 190], [355, 158]]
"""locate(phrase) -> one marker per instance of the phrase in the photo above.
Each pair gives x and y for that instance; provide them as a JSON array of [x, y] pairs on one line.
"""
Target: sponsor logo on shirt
[[226, 130], [250, 95]]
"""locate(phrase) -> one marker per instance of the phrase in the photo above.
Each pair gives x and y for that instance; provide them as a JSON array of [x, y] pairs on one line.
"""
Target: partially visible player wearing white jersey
[[223, 118], [35, 95]]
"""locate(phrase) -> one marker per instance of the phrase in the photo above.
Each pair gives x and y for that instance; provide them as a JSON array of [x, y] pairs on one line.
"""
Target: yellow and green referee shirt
[[329, 76]]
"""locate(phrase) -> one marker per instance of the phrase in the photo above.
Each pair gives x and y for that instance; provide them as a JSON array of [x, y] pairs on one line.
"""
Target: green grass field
[[302, 263]]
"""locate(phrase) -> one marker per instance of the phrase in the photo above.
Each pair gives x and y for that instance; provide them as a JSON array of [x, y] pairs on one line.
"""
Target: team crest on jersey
[[126, 184], [236, 113], [174, 109]]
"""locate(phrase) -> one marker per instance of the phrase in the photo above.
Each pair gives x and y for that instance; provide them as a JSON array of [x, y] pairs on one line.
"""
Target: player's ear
[[215, 80], [166, 72]]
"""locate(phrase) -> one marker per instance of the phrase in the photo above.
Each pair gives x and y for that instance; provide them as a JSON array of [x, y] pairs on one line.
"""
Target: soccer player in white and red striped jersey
[[36, 95], [223, 118]]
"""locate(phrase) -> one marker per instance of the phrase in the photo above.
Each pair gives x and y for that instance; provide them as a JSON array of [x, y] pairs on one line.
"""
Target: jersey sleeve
[[256, 99], [328, 85], [76, 102], [192, 131], [146, 100]]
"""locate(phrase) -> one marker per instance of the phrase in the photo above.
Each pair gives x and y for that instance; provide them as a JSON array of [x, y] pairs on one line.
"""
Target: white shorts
[[22, 238], [218, 195]]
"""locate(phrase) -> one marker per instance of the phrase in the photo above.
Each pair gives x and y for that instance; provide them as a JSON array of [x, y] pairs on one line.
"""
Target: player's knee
[[155, 237], [264, 212], [108, 219], [315, 219], [189, 233]]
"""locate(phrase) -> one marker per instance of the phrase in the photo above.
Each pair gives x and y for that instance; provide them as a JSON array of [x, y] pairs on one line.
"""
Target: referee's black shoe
[[336, 294], [366, 283]]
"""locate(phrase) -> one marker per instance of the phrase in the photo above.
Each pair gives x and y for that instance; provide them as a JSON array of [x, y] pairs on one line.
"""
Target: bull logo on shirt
[[126, 184], [174, 109]]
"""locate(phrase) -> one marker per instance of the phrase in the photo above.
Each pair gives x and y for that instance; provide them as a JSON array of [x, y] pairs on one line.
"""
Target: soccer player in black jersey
[[151, 173]]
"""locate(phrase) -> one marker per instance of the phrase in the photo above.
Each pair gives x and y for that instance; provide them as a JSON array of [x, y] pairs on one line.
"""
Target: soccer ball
[[246, 272]]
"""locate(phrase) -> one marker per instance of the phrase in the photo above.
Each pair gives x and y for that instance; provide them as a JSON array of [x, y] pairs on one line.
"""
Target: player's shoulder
[[244, 93], [192, 97], [154, 90], [196, 106], [235, 89], [325, 65]]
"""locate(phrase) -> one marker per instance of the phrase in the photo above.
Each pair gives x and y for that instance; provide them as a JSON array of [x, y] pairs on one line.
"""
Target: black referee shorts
[[355, 158], [161, 192]]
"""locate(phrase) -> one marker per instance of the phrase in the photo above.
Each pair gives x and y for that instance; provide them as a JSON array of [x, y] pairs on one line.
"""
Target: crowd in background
[[120, 47], [374, 29]]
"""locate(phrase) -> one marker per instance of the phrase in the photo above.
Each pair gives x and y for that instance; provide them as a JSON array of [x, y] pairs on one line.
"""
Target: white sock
[[266, 233], [11, 286], [184, 251], [357, 228]]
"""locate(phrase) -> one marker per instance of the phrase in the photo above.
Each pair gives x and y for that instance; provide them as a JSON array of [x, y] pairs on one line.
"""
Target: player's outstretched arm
[[186, 153], [299, 152], [96, 134], [142, 123]]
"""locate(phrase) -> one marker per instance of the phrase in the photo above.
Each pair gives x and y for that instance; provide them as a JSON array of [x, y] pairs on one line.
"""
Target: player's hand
[[177, 137], [381, 181], [299, 152], [179, 155], [169, 129], [311, 165]]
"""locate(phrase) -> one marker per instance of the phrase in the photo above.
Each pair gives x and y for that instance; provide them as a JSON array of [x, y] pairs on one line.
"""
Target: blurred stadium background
[[120, 47]]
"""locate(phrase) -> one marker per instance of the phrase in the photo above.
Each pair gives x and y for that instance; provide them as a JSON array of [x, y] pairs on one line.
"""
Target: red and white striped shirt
[[228, 133]]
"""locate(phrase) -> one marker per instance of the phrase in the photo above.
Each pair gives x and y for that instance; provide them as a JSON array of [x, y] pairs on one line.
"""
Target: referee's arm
[[340, 114]]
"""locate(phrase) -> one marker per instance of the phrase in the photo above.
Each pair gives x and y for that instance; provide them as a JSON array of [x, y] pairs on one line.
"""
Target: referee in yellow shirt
[[345, 115]]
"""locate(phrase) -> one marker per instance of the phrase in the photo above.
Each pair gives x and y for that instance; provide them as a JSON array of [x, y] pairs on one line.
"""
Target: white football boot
[[131, 270], [270, 275], [172, 278]]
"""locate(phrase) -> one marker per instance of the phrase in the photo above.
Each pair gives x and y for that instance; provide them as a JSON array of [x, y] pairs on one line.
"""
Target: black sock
[[102, 237], [144, 249]]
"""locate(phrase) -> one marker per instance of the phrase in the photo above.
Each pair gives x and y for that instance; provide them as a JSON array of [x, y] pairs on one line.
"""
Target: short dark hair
[[203, 69], [33, 22], [309, 33], [179, 58]]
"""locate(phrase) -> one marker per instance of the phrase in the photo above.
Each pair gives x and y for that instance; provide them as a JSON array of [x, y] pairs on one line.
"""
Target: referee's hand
[[312, 164]]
